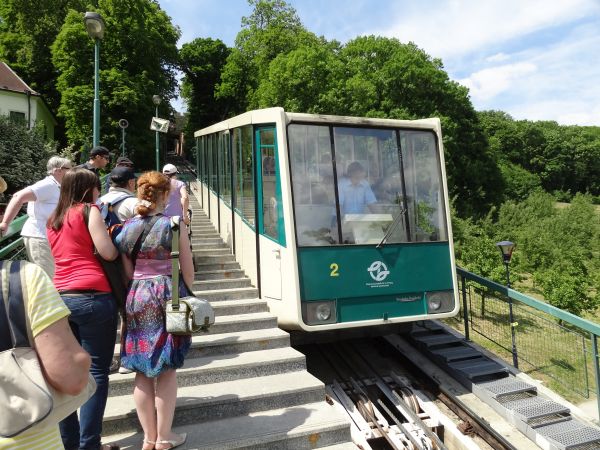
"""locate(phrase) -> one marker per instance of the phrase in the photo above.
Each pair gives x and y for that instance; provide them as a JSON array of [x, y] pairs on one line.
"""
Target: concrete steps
[[242, 385]]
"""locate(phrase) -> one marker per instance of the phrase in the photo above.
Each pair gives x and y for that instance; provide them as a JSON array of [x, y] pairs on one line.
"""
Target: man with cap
[[121, 194], [178, 201], [99, 158], [122, 161]]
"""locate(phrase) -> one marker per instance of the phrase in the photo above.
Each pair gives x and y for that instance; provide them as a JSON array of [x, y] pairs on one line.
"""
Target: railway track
[[392, 403]]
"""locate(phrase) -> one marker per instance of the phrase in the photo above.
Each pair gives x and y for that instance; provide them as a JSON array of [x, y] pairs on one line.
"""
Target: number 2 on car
[[334, 270]]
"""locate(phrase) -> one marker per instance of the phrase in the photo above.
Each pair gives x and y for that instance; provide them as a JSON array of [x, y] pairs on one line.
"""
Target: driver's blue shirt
[[354, 198]]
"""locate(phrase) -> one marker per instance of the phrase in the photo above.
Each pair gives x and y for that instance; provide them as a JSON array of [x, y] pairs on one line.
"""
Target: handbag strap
[[141, 237], [175, 262], [13, 321]]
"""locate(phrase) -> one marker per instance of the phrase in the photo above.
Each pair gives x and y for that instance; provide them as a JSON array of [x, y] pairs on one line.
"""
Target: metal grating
[[506, 386], [592, 446], [457, 353], [579, 437], [513, 397], [534, 407], [558, 428], [548, 420]]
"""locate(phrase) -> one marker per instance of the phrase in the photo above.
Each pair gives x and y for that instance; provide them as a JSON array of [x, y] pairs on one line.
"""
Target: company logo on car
[[378, 271]]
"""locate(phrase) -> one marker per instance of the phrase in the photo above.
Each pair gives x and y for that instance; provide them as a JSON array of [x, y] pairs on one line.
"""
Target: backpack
[[108, 210]]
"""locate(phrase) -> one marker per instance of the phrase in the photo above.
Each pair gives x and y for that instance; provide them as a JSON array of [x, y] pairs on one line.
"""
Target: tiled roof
[[10, 81]]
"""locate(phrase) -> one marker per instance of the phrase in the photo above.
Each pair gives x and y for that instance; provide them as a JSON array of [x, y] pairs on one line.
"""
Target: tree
[[272, 29], [23, 154], [202, 61], [138, 60]]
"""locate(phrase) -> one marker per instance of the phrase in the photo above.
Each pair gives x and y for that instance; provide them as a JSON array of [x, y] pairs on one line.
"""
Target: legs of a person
[[143, 396], [166, 396], [38, 252], [96, 319]]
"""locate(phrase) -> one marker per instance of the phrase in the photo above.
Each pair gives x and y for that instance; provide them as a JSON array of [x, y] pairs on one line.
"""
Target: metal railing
[[11, 244], [548, 340]]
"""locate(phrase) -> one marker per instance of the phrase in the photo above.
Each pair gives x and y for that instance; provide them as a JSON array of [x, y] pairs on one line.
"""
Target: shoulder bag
[[189, 314], [27, 402]]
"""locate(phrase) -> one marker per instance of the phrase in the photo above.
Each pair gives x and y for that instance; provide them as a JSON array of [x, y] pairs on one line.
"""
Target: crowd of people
[[74, 313]]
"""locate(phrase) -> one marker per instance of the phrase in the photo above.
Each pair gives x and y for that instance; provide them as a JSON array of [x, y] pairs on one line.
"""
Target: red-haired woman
[[149, 350]]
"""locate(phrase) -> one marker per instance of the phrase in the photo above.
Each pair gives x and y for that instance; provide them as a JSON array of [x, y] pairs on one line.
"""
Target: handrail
[[584, 324], [15, 227]]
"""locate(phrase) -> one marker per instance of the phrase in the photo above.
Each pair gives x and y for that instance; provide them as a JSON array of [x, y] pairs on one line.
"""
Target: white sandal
[[174, 442], [146, 441]]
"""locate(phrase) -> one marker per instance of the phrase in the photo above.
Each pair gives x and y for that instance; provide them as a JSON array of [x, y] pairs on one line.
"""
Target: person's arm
[[100, 236], [127, 265], [13, 207], [185, 203], [186, 261], [65, 363]]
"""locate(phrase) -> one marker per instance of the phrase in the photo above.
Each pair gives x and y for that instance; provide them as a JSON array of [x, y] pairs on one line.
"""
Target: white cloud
[[498, 57], [457, 27], [488, 83]]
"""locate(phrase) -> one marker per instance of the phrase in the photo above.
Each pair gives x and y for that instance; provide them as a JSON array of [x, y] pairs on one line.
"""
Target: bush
[[23, 154]]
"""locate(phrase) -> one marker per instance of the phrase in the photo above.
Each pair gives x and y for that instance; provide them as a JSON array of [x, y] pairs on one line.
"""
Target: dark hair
[[150, 186], [77, 186], [354, 167]]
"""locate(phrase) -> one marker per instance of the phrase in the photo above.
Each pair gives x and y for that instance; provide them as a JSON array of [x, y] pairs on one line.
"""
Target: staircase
[[242, 385]]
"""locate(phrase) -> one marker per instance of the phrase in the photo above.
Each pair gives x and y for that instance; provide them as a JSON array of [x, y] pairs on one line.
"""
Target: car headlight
[[440, 301], [318, 313]]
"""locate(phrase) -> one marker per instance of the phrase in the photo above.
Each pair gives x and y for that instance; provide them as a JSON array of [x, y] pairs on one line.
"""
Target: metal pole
[[157, 146], [512, 321], [465, 311], [123, 141], [96, 92], [596, 357]]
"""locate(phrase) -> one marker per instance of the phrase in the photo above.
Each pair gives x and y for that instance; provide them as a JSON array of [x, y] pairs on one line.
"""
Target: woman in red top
[[84, 288]]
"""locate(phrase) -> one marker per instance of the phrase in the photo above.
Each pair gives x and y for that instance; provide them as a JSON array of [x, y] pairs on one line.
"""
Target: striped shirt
[[43, 308]]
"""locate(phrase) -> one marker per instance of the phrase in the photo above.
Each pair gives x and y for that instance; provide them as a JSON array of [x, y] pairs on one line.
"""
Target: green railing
[[11, 244], [560, 347]]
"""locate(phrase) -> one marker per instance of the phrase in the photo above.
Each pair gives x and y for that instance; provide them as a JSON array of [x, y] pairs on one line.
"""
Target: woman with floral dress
[[148, 349]]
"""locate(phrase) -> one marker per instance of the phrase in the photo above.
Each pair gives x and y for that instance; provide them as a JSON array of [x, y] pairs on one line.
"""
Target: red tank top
[[77, 268]]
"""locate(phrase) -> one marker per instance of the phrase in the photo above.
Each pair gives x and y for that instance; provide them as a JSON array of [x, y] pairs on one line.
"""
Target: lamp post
[[94, 25], [156, 100], [123, 123], [506, 248]]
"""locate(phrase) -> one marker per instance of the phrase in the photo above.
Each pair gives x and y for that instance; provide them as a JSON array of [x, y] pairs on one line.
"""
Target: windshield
[[356, 185]]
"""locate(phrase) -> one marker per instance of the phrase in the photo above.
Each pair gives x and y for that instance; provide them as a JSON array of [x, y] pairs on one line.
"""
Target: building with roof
[[21, 103]]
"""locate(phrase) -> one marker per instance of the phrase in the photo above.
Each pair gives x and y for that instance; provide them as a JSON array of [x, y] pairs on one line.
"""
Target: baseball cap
[[124, 161], [169, 169], [99, 151], [122, 174]]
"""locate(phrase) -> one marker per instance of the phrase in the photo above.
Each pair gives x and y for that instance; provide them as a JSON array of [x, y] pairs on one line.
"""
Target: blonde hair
[[150, 187]]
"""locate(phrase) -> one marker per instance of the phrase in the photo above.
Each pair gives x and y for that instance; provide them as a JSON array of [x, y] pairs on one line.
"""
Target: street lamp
[[156, 100], [94, 24], [506, 248]]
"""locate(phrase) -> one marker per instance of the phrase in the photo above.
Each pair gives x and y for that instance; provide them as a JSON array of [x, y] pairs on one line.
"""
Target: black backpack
[[108, 210]]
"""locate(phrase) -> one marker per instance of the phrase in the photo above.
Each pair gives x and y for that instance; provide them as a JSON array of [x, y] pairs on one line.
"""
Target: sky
[[534, 59]]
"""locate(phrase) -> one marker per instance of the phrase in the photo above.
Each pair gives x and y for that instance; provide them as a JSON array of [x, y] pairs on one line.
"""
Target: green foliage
[[202, 61], [138, 57], [557, 248], [23, 154]]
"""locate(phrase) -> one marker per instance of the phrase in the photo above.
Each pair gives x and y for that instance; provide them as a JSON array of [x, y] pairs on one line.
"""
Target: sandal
[[146, 441], [173, 443]]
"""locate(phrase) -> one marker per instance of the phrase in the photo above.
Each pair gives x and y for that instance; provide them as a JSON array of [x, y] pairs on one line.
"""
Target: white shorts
[[38, 252]]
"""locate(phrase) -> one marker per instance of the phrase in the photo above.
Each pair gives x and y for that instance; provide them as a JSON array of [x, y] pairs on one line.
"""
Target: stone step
[[242, 306], [236, 342], [219, 274], [227, 294], [303, 427], [204, 402], [224, 283], [207, 241], [226, 266], [219, 368], [213, 259], [242, 322], [200, 252]]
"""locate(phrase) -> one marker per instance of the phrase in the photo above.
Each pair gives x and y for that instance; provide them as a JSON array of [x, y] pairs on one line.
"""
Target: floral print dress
[[147, 347]]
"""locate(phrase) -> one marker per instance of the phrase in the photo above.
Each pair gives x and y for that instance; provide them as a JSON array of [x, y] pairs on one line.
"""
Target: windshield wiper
[[393, 225]]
